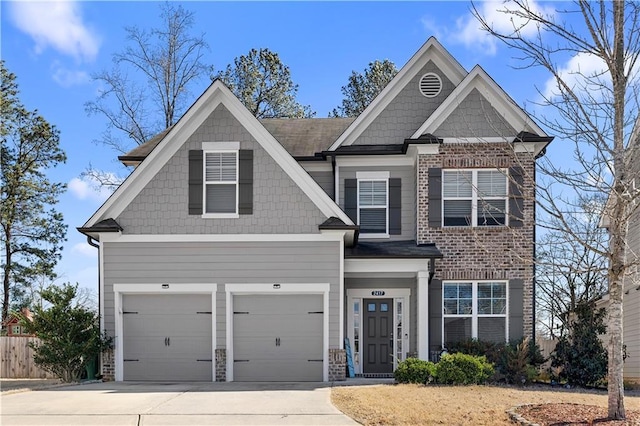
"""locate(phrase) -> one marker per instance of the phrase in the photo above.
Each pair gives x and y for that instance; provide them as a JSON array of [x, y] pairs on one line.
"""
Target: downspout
[[535, 260], [333, 171], [432, 269], [90, 241]]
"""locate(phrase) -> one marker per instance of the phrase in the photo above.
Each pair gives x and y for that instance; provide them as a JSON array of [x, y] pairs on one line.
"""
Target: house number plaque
[[377, 293]]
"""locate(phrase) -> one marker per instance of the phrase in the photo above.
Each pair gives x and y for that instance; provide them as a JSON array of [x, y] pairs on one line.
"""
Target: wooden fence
[[16, 360], [546, 347]]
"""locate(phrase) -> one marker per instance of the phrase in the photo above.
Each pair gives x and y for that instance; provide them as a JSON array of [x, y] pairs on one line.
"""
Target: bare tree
[[593, 108], [568, 272], [146, 90]]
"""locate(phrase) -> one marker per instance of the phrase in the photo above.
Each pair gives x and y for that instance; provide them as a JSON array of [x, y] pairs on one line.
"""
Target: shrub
[[414, 370], [581, 355], [70, 336], [515, 362], [463, 369]]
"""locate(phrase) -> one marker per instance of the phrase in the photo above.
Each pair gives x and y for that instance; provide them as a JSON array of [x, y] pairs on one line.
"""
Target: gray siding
[[387, 283], [279, 205], [406, 113], [408, 176], [631, 303], [325, 180], [223, 263], [475, 117]]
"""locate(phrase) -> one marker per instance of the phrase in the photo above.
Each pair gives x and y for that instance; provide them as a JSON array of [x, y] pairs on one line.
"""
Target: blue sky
[[54, 47]]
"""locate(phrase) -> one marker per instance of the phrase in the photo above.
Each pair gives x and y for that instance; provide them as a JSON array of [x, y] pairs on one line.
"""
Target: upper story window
[[373, 203], [221, 182], [474, 197]]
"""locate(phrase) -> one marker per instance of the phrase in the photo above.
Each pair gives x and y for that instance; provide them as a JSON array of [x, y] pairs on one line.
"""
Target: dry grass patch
[[452, 405]]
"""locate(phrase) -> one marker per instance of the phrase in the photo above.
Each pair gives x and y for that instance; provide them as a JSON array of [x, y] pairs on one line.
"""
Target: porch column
[[423, 315]]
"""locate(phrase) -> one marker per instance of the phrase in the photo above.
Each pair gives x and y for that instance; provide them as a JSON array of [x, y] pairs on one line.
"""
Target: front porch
[[386, 301]]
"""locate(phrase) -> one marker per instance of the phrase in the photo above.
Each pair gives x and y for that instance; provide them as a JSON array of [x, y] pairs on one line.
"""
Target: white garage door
[[277, 338], [167, 337]]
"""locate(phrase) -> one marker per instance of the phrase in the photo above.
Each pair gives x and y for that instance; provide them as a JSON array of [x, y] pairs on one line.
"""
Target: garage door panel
[[265, 347], [278, 338], [272, 371], [295, 304], [278, 326], [167, 337]]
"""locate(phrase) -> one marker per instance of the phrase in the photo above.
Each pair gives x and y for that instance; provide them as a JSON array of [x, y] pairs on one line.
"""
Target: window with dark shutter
[[245, 181], [395, 206], [221, 182]]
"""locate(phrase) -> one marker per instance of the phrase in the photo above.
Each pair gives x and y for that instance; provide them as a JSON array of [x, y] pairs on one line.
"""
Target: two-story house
[[260, 250]]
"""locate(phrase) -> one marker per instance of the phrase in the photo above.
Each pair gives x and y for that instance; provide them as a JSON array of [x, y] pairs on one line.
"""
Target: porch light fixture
[[276, 286], [165, 286]]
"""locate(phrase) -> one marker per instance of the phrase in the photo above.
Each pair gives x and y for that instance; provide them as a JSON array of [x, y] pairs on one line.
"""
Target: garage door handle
[[128, 360], [169, 341], [165, 341], [204, 360], [315, 360], [277, 341], [240, 360]]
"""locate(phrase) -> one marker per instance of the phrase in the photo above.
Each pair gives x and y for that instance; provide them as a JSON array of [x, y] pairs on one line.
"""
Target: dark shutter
[[516, 309], [195, 182], [435, 315], [245, 181], [351, 199], [516, 200], [395, 206], [435, 197]]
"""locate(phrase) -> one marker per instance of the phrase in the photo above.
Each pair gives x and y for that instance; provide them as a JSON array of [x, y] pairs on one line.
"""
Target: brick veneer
[[108, 365], [221, 365], [337, 365], [499, 253]]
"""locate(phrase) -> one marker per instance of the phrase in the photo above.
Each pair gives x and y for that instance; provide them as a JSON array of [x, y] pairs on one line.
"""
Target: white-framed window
[[474, 197], [474, 310], [373, 203], [221, 183]]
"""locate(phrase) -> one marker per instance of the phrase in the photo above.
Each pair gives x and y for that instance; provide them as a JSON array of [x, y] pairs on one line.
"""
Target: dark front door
[[378, 336]]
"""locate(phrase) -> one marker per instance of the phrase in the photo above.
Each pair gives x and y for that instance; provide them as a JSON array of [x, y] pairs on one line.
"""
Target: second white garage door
[[277, 338]]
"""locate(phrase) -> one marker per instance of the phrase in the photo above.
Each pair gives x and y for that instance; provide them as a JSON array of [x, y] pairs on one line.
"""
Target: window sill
[[220, 216], [372, 236]]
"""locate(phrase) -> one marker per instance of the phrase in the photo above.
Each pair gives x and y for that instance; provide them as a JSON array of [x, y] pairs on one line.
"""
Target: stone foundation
[[337, 365], [108, 369], [221, 365]]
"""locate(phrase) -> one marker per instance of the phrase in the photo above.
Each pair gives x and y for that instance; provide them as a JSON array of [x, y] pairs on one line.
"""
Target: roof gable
[[215, 95], [433, 51], [478, 80]]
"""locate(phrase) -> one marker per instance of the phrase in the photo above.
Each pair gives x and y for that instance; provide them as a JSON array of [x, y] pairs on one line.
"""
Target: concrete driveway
[[138, 404]]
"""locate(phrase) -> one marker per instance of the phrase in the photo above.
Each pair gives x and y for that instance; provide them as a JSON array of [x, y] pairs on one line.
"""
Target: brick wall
[[221, 365], [337, 365], [499, 253], [108, 365]]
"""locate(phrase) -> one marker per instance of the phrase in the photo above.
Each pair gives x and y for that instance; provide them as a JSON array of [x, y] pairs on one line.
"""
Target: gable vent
[[430, 85]]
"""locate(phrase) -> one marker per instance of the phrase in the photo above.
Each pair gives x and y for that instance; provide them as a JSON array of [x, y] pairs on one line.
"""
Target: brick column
[[108, 366], [337, 365], [221, 365]]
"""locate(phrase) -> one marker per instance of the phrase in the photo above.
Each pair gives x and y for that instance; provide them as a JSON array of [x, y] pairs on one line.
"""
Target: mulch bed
[[573, 414]]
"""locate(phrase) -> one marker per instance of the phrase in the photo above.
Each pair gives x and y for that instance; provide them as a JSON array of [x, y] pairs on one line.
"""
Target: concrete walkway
[[136, 403]]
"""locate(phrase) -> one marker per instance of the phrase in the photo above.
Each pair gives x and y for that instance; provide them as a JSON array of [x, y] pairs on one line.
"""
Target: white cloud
[[67, 78], [84, 249], [56, 24], [87, 188], [467, 29], [577, 73]]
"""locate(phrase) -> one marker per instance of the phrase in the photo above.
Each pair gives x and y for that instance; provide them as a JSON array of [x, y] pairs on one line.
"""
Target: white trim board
[[271, 289], [432, 50], [217, 94], [370, 266], [223, 238], [121, 289]]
